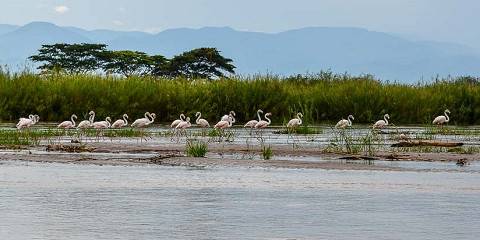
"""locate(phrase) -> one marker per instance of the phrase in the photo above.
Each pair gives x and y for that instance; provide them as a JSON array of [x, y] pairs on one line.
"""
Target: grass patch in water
[[196, 148]]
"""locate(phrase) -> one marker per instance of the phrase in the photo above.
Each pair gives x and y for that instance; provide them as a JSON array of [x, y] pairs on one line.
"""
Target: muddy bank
[[220, 155]]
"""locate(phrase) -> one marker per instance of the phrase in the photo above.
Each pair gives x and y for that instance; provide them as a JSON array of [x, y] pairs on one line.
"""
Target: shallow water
[[62, 201]]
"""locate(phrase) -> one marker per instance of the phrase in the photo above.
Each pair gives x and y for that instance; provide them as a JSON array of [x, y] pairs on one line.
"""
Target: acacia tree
[[72, 58], [200, 63], [129, 63]]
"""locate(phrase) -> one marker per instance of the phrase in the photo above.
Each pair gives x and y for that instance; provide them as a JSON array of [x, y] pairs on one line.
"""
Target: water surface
[[62, 201]]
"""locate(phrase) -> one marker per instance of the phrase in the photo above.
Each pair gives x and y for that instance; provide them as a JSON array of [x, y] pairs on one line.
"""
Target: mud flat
[[219, 155]]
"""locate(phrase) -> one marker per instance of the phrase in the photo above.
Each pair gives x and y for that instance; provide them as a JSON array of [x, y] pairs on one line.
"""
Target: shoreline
[[128, 154]]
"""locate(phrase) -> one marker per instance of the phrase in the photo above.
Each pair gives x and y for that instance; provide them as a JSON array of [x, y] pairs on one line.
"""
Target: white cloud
[[61, 9], [118, 23]]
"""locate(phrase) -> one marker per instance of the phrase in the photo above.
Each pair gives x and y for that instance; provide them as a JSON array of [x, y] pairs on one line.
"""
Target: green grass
[[325, 97], [196, 148], [267, 153], [18, 138]]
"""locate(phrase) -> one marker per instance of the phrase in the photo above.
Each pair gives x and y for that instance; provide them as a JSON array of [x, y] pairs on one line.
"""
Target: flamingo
[[382, 123], [252, 123], [27, 122], [103, 124], [121, 123], [296, 121], [68, 124], [231, 114], [440, 120], [178, 121], [87, 123], [263, 124], [225, 124], [345, 123], [200, 121], [185, 124], [144, 122]]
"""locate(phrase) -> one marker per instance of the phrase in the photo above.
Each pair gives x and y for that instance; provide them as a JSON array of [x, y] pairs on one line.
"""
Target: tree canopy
[[72, 58], [201, 63], [84, 58]]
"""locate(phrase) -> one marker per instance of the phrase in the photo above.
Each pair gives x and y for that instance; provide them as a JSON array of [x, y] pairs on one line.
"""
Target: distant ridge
[[352, 50]]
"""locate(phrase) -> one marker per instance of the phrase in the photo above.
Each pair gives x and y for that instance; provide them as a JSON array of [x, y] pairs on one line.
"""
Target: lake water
[[62, 201]]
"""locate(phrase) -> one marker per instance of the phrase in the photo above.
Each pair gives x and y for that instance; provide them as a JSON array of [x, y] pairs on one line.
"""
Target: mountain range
[[306, 50]]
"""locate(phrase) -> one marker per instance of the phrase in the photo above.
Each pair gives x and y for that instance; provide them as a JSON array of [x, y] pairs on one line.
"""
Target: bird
[[68, 124], [27, 122], [263, 123], [121, 123], [176, 122], [200, 121], [225, 124], [296, 121], [231, 114], [252, 123], [382, 123], [440, 120], [144, 122], [103, 124], [87, 123], [345, 123], [185, 124]]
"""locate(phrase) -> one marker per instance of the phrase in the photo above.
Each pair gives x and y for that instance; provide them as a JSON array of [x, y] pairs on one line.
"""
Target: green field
[[322, 98]]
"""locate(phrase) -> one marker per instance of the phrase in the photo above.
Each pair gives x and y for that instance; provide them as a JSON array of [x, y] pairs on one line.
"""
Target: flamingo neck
[[73, 120], [92, 117], [268, 120], [146, 115], [299, 119], [349, 121], [447, 117], [386, 120], [198, 118], [125, 120], [259, 116], [150, 115]]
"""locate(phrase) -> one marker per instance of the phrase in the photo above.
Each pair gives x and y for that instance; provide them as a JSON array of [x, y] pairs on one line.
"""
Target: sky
[[439, 20]]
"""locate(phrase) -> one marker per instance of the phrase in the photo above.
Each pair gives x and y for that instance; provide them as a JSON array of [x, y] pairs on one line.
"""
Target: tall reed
[[325, 97]]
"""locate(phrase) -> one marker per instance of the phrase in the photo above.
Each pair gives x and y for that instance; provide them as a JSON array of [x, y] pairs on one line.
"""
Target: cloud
[[118, 23], [61, 9]]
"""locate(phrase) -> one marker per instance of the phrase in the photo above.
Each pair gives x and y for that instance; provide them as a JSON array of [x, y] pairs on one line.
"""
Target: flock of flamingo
[[183, 122]]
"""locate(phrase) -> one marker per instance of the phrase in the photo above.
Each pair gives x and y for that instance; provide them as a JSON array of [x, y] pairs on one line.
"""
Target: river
[[67, 201]]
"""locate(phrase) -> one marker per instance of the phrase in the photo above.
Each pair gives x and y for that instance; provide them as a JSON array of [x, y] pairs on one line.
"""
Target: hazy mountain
[[351, 50]]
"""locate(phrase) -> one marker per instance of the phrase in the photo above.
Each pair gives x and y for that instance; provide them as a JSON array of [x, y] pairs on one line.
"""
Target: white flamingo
[[231, 114], [296, 121], [121, 123], [185, 124], [200, 121], [103, 124], [178, 121], [225, 124], [252, 123], [27, 122], [144, 122], [345, 123], [382, 123], [263, 123], [68, 124], [87, 123], [440, 120]]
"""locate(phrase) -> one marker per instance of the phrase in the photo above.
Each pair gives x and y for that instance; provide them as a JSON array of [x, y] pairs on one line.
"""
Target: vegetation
[[267, 152], [325, 97], [196, 148], [88, 58]]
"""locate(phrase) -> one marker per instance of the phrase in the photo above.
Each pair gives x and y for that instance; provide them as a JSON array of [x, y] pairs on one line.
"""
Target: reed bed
[[324, 97]]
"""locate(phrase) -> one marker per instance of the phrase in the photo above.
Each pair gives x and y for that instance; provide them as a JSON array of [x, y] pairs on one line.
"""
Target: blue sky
[[441, 20]]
